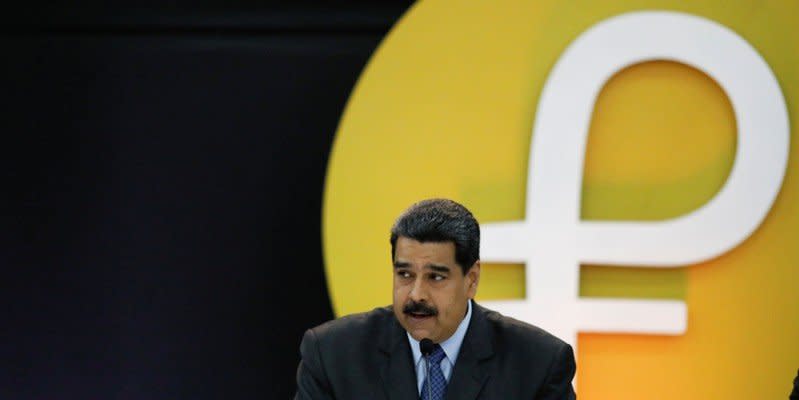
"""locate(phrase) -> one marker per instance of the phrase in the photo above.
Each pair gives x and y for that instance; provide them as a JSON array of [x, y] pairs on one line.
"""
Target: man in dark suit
[[475, 353]]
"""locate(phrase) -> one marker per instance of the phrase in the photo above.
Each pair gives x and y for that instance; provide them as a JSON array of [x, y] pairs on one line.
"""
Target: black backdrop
[[162, 175]]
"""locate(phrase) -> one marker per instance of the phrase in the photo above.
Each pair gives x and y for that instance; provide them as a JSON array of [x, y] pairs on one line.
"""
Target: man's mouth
[[419, 315]]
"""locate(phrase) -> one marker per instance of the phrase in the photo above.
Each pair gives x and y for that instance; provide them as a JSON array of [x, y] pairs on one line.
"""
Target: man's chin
[[420, 334]]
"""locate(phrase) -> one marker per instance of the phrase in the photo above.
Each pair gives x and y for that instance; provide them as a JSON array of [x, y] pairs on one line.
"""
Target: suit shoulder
[[353, 327], [514, 331]]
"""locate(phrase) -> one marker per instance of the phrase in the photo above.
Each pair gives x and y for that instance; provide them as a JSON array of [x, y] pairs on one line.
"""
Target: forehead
[[413, 251]]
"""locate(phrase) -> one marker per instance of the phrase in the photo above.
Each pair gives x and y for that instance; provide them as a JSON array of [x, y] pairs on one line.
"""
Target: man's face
[[430, 290]]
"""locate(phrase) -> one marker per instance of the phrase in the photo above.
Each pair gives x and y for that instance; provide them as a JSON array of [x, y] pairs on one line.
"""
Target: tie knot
[[437, 355]]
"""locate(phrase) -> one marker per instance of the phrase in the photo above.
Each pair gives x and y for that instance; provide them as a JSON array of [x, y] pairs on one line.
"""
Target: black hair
[[441, 220]]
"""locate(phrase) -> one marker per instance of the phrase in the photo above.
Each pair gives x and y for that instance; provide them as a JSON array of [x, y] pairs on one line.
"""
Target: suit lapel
[[470, 373], [397, 372]]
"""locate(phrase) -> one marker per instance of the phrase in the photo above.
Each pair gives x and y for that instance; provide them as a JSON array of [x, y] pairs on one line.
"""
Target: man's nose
[[418, 290]]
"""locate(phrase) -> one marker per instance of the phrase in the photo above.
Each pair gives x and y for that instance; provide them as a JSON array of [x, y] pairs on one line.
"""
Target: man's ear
[[473, 279]]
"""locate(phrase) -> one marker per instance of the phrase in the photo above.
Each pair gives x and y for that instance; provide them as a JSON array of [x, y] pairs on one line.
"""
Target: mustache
[[413, 307]]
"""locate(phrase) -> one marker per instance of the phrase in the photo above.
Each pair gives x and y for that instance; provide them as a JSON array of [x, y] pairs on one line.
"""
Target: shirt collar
[[451, 346]]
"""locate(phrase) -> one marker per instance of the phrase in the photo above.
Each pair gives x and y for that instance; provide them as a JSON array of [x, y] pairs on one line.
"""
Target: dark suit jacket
[[367, 356], [795, 391]]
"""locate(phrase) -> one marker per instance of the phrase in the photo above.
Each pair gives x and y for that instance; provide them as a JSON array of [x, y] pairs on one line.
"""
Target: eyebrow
[[439, 268], [434, 267]]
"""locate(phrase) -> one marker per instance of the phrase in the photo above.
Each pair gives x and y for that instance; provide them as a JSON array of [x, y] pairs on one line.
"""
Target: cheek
[[400, 293], [397, 295], [450, 301], [395, 286], [444, 301]]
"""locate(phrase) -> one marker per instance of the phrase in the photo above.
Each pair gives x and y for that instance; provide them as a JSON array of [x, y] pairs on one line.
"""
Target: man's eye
[[403, 274], [437, 277]]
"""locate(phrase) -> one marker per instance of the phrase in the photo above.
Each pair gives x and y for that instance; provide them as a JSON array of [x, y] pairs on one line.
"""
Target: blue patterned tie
[[435, 376]]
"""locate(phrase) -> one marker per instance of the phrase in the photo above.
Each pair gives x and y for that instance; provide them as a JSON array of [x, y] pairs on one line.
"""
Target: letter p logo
[[552, 240]]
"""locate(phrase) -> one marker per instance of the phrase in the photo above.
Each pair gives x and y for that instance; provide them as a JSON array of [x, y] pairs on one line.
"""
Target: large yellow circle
[[445, 108]]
